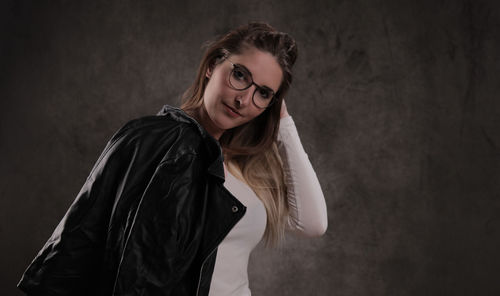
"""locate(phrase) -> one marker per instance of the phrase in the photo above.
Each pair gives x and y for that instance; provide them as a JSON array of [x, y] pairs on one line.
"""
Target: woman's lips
[[231, 111]]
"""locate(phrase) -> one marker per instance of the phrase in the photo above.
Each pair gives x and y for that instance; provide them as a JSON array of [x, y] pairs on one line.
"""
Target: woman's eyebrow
[[251, 75], [244, 68]]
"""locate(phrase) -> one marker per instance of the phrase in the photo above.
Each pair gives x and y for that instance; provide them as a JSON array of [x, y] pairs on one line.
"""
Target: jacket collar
[[216, 158]]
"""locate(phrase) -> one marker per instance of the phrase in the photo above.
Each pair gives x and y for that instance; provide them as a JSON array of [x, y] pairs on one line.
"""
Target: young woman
[[176, 202]]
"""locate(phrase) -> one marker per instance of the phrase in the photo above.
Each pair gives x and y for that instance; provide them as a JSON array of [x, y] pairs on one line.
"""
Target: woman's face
[[225, 107]]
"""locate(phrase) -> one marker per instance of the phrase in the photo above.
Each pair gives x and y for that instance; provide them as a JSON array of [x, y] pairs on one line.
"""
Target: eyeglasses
[[240, 78]]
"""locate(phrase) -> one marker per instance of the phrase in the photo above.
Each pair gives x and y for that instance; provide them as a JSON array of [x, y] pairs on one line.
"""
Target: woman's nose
[[245, 98]]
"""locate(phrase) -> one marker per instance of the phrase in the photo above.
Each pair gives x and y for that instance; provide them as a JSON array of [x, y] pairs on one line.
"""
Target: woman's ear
[[210, 68]]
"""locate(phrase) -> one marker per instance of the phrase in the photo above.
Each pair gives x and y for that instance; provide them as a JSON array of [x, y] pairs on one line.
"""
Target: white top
[[307, 214]]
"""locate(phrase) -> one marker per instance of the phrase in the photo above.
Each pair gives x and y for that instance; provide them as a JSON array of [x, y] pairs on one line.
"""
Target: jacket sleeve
[[166, 230], [69, 261]]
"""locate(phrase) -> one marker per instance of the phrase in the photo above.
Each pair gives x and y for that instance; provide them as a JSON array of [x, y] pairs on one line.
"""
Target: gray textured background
[[396, 103]]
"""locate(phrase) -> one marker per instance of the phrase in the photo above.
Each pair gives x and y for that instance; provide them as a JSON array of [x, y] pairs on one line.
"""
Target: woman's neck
[[204, 119]]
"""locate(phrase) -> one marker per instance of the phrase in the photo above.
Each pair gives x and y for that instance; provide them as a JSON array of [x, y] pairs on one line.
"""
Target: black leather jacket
[[148, 219]]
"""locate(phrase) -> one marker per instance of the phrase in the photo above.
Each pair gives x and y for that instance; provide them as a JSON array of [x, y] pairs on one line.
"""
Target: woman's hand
[[284, 111]]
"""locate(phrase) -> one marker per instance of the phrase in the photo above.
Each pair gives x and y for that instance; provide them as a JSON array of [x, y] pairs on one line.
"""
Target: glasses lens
[[262, 97], [239, 78]]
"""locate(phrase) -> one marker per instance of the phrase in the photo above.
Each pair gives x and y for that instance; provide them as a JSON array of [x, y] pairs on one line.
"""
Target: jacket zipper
[[201, 270]]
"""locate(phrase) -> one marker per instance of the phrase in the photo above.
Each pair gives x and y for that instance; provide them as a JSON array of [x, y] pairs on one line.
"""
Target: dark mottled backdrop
[[396, 103]]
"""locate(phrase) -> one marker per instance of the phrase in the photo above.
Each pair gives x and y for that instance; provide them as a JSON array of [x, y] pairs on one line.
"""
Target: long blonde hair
[[251, 148]]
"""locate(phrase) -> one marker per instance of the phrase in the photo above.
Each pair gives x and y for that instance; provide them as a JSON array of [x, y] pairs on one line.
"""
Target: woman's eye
[[240, 75], [264, 93]]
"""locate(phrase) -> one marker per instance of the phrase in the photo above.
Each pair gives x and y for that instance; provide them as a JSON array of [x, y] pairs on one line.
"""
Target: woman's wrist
[[284, 110]]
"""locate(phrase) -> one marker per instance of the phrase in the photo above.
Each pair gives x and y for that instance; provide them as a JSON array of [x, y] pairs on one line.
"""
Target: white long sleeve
[[308, 214]]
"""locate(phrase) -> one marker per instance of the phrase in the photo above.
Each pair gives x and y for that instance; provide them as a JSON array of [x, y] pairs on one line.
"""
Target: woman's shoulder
[[171, 126]]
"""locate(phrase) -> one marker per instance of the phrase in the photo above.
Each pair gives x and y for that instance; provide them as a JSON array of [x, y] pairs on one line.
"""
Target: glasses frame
[[257, 87]]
